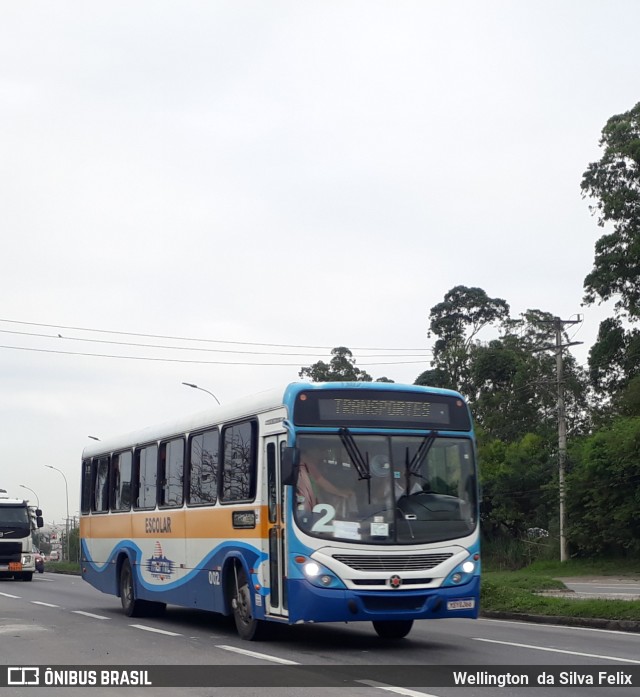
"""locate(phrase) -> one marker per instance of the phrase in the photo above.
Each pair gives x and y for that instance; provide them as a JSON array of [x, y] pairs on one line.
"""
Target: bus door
[[277, 566]]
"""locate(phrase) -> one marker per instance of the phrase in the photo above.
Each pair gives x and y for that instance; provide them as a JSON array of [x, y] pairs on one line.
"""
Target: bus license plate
[[468, 604]]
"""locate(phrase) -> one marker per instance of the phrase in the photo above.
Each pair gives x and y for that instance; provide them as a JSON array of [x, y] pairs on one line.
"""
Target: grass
[[62, 567], [515, 591]]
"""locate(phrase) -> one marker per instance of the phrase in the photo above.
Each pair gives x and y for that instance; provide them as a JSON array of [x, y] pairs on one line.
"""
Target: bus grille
[[404, 562]]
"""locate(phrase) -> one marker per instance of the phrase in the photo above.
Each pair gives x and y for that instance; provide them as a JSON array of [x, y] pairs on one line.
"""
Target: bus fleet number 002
[[214, 578]]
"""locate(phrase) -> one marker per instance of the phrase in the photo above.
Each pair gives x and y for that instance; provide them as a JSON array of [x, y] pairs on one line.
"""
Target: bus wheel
[[393, 629], [131, 606], [248, 626], [27, 575]]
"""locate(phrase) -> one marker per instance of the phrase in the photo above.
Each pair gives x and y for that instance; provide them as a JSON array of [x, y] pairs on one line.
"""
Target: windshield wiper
[[360, 463], [412, 467]]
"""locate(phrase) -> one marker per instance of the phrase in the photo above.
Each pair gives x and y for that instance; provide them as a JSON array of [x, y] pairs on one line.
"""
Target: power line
[[180, 360], [188, 348], [183, 338]]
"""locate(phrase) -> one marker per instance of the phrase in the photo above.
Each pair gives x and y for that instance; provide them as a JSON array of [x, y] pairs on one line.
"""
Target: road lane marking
[[39, 602], [255, 654], [397, 690], [542, 625], [153, 629], [571, 653], [90, 614], [8, 595]]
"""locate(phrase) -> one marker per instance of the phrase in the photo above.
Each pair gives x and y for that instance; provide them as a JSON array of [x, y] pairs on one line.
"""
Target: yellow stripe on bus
[[173, 523]]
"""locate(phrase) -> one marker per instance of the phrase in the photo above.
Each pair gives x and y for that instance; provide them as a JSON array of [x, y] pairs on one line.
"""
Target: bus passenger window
[[238, 467], [101, 489], [171, 472], [147, 476], [121, 481], [203, 468]]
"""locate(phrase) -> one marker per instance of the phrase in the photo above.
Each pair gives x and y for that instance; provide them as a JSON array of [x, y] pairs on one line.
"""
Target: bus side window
[[85, 503], [203, 468], [172, 473], [101, 484], [147, 476], [239, 462], [121, 481]]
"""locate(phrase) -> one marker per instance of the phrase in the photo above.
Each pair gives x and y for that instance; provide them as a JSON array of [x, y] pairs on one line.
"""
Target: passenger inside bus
[[314, 481]]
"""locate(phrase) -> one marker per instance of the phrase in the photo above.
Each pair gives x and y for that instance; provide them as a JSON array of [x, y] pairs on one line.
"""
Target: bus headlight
[[26, 559], [463, 573], [317, 574], [311, 569]]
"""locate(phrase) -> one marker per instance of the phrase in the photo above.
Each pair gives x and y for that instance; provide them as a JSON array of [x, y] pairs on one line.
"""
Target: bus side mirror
[[40, 521], [290, 461], [38, 512]]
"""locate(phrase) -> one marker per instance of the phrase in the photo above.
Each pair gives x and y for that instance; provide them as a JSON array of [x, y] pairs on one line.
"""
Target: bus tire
[[130, 604], [27, 575], [393, 629], [249, 628]]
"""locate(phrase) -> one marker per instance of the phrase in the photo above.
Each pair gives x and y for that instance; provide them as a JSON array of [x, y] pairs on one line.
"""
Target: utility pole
[[558, 325]]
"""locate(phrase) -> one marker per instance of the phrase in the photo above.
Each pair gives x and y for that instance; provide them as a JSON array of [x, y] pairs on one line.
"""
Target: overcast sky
[[294, 173]]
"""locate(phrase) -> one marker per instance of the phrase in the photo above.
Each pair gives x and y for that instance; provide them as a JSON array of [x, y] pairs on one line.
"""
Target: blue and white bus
[[333, 502]]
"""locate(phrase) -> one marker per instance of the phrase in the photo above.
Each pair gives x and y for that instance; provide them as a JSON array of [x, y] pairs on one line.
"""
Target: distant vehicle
[[17, 521], [336, 502], [54, 556], [39, 563]]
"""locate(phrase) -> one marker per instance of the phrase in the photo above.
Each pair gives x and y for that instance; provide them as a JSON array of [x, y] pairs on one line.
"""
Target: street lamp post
[[195, 387], [66, 487], [33, 492]]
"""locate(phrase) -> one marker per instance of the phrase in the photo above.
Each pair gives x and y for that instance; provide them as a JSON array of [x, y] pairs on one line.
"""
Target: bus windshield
[[381, 490]]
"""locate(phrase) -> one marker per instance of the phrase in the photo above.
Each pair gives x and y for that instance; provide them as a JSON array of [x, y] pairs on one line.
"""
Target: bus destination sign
[[391, 410]]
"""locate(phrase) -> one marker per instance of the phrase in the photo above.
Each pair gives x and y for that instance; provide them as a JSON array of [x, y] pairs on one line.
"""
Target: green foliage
[[342, 367], [74, 544], [614, 183], [434, 378], [614, 360], [604, 492], [510, 382], [514, 380], [502, 552], [630, 398], [456, 322], [585, 567], [518, 489], [62, 567], [517, 592]]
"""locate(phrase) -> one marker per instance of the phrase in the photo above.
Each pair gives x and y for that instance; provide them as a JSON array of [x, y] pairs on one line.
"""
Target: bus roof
[[238, 409]]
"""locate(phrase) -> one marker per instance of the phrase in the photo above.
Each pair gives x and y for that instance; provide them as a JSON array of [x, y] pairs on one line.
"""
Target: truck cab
[[17, 521]]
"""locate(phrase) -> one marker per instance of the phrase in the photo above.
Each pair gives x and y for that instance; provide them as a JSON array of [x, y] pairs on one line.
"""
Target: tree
[[456, 322], [614, 181], [342, 367], [517, 490], [513, 382], [603, 492]]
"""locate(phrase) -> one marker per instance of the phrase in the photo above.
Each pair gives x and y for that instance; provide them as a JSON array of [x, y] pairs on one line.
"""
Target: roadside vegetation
[[523, 590], [62, 567]]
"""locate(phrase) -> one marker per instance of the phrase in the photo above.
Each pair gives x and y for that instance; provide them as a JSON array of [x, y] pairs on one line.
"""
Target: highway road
[[603, 587], [59, 620]]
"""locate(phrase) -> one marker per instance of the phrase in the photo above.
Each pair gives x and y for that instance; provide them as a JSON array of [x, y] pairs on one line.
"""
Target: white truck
[[17, 521]]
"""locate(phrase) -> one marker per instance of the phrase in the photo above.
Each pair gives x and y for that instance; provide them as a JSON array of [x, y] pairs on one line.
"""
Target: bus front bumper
[[308, 603]]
